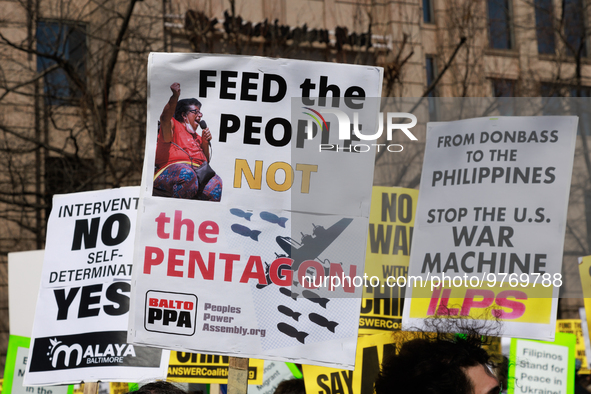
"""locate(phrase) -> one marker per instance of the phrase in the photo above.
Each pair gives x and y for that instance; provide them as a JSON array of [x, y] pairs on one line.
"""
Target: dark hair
[[159, 387], [432, 363], [182, 107], [291, 386]]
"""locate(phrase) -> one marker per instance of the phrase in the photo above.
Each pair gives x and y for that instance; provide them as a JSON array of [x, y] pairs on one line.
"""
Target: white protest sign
[[274, 372], [216, 277], [491, 216], [17, 387], [24, 275], [79, 333]]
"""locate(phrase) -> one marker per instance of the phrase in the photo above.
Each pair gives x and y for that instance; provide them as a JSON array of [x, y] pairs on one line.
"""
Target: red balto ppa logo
[[170, 313]]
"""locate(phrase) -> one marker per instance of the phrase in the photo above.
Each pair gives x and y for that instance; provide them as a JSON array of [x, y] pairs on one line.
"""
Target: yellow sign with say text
[[371, 350]]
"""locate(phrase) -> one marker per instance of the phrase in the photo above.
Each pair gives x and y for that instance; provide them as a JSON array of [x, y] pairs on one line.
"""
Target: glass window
[[431, 73], [550, 90], [428, 11], [499, 24], [67, 175], [574, 28], [554, 105], [61, 41], [504, 91], [581, 91], [503, 87], [545, 26]]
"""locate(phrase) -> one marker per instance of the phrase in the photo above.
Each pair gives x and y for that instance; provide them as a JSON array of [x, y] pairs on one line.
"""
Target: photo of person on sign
[[182, 167]]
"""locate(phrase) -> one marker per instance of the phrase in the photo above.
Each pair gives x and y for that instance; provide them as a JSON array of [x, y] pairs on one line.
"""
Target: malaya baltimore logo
[[57, 347], [345, 125], [98, 354], [90, 349]]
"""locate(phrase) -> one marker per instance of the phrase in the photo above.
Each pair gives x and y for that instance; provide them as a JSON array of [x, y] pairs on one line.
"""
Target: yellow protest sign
[[114, 387], [573, 326], [371, 350], [118, 387], [208, 368], [391, 223], [585, 274], [494, 348]]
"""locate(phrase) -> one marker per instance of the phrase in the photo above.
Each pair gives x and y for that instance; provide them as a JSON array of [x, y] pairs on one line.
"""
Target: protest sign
[[79, 332], [24, 274], [391, 222], [274, 372], [585, 274], [216, 276], [109, 388], [587, 342], [573, 326], [489, 233], [542, 367], [208, 368], [371, 350], [15, 367], [120, 387]]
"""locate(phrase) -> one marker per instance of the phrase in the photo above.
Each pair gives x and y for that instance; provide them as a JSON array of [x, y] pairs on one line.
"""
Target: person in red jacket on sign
[[182, 155]]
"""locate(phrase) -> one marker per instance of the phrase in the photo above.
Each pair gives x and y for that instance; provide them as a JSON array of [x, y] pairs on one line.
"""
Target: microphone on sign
[[203, 126]]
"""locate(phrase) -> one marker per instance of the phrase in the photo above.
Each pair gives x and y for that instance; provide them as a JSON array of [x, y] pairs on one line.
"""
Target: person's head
[[291, 386], [159, 387], [437, 363], [188, 111]]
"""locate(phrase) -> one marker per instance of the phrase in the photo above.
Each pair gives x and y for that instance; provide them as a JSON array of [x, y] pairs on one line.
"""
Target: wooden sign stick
[[91, 387], [237, 375]]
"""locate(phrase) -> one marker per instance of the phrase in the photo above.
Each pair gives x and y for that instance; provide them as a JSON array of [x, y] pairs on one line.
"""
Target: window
[[66, 175], [574, 28], [499, 24], [428, 11], [431, 73], [551, 90], [65, 41], [548, 89], [582, 91], [555, 105], [583, 113], [545, 26], [504, 90], [503, 87]]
